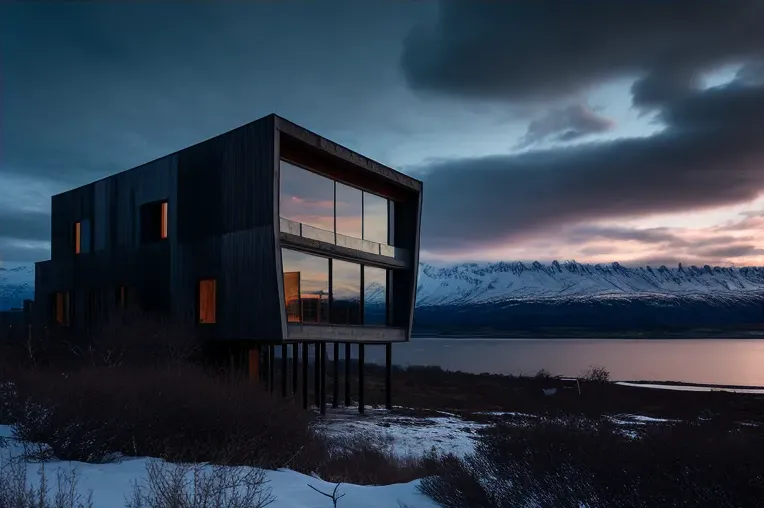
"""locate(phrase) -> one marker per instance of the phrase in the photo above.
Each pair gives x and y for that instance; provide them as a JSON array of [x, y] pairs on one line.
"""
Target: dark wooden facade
[[222, 199]]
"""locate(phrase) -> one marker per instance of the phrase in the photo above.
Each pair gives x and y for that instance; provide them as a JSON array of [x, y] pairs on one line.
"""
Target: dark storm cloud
[[93, 88], [666, 237], [23, 224], [565, 124], [540, 48], [731, 251], [710, 154], [652, 235]]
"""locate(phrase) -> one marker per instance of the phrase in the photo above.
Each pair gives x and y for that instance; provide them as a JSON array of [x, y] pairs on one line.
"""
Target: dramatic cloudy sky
[[625, 130]]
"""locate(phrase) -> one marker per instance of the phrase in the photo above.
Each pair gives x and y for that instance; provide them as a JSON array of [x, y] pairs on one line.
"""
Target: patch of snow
[[690, 388], [111, 484], [404, 435]]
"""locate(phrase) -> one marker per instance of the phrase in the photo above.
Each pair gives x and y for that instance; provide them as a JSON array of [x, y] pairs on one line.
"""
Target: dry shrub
[[196, 486], [137, 338], [363, 461], [17, 492], [577, 462], [596, 374], [178, 413]]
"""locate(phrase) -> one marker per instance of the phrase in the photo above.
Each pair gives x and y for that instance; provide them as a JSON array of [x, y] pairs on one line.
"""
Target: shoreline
[[593, 335]]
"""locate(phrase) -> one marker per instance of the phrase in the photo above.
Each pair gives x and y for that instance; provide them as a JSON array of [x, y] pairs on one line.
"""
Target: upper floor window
[[306, 197], [331, 211], [82, 236], [154, 223]]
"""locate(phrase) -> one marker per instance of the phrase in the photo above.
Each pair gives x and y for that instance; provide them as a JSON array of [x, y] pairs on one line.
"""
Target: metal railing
[[322, 235]]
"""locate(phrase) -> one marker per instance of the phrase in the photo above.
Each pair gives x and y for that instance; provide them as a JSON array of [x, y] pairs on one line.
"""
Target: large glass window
[[346, 293], [306, 197], [306, 287], [349, 211], [374, 218], [374, 296], [316, 207]]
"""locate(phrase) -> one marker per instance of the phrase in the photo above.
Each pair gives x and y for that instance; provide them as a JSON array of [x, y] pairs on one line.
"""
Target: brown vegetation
[[568, 463]]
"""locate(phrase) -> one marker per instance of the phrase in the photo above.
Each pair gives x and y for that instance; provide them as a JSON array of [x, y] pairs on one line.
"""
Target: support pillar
[[260, 363], [322, 362], [347, 374], [360, 377], [295, 366], [316, 374], [271, 366], [336, 375], [284, 370], [389, 375], [305, 375]]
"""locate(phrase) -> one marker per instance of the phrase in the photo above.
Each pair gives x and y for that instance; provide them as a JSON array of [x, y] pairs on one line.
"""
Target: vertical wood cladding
[[252, 307], [222, 200], [406, 235]]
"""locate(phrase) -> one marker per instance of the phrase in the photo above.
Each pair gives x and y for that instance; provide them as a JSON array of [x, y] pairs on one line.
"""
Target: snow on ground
[[401, 433], [111, 484], [692, 388], [404, 435]]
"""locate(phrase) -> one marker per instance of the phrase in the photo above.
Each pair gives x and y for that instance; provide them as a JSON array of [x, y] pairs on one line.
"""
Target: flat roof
[[304, 135]]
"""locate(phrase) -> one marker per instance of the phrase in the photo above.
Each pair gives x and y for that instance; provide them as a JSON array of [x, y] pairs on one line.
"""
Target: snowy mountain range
[[531, 295], [470, 284]]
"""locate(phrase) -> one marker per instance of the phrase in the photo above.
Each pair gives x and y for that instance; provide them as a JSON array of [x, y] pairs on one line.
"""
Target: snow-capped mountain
[[472, 283], [529, 295], [16, 285], [520, 296]]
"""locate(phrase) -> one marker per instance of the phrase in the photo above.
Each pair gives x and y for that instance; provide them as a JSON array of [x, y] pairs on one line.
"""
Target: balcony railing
[[322, 235]]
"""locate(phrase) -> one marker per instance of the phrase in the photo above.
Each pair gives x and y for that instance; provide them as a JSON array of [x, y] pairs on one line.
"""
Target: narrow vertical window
[[207, 300], [163, 232], [154, 221], [62, 308], [121, 297], [82, 232], [77, 237]]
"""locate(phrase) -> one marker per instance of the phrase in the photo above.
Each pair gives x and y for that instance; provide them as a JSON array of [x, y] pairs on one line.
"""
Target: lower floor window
[[207, 301], [323, 290], [61, 308]]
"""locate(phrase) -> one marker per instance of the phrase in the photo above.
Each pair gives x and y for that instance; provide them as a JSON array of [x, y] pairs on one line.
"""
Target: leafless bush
[[17, 492], [334, 496], [196, 486], [179, 413], [596, 374], [136, 338], [579, 462], [362, 461]]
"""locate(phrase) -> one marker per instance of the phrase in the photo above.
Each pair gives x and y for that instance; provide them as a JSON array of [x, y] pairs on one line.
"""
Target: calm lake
[[706, 361]]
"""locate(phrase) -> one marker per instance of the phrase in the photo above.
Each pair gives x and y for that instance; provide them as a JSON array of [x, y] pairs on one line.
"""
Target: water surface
[[737, 362]]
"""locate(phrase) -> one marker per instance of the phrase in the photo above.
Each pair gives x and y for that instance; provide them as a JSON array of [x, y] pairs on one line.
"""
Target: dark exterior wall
[[225, 230], [223, 224], [116, 258]]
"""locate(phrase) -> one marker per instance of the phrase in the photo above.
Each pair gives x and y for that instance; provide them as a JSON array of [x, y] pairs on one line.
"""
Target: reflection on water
[[705, 361]]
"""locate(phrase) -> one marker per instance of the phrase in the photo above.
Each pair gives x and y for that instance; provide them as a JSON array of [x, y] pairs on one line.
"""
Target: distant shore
[[579, 333]]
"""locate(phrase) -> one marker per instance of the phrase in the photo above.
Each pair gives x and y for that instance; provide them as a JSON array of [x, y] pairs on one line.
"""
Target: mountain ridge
[[516, 294]]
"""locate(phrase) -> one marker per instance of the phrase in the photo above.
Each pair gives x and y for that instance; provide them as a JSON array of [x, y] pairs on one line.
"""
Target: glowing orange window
[[163, 232], [207, 300], [62, 308], [77, 237]]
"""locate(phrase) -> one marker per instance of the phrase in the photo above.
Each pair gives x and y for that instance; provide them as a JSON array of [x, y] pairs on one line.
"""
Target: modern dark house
[[266, 237]]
